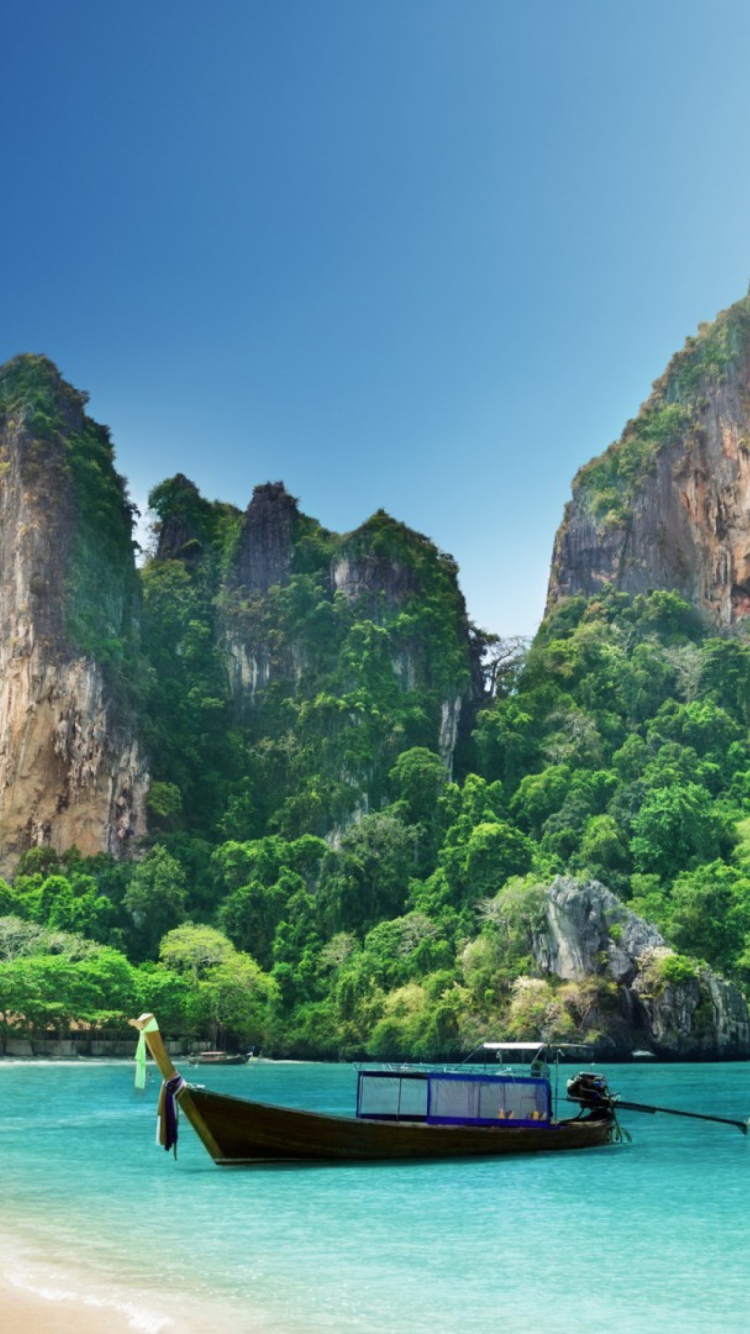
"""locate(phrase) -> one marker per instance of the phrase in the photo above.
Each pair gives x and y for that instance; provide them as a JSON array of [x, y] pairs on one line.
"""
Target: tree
[[479, 865], [539, 795], [155, 900], [19, 937], [709, 914], [419, 779], [507, 741], [250, 916], [43, 991], [232, 1000], [675, 826], [192, 950], [369, 878], [602, 851]]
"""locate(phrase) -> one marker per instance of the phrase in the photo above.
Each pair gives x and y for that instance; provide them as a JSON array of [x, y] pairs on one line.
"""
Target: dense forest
[[356, 798], [615, 746]]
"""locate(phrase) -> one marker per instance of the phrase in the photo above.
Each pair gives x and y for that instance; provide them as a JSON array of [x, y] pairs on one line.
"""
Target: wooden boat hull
[[237, 1131]]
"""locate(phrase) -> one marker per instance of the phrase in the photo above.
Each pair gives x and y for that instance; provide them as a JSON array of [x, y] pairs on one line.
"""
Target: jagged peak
[[608, 483], [666, 506], [265, 549], [274, 493], [34, 394], [186, 523]]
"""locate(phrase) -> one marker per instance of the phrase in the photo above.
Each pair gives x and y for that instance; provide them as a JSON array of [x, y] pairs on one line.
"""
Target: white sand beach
[[40, 1296], [34, 1313]]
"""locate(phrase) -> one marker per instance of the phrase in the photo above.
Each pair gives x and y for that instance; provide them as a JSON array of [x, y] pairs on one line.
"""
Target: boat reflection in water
[[403, 1112]]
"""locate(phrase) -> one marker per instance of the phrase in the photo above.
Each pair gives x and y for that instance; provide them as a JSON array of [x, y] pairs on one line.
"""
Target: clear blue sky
[[427, 255]]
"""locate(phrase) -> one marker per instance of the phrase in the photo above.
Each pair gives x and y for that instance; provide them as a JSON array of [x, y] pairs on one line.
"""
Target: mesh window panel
[[488, 1100], [392, 1096], [454, 1098], [526, 1102], [413, 1097], [491, 1101], [379, 1096]]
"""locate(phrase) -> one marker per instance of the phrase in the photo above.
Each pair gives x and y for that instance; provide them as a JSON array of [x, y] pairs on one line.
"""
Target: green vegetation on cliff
[[282, 709], [357, 799], [609, 483], [69, 461], [616, 748]]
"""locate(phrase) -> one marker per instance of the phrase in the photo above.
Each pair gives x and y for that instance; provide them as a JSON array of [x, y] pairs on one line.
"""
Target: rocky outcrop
[[263, 560], [700, 1017], [69, 776], [71, 772], [382, 571], [373, 569], [266, 546], [181, 534], [667, 506], [662, 1002], [347, 647]]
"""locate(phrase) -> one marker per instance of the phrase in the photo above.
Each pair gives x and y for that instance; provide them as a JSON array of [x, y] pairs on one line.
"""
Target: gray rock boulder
[[588, 930], [673, 1007]]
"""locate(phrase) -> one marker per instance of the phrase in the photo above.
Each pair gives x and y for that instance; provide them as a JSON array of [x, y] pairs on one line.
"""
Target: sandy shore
[[33, 1313], [60, 1311], [42, 1297], [36, 1298]]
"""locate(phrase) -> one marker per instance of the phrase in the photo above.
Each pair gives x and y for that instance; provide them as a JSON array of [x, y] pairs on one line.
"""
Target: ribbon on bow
[[168, 1113], [140, 1053]]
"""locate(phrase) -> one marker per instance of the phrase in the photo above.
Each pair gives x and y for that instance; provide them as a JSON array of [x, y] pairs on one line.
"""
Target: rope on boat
[[619, 1135]]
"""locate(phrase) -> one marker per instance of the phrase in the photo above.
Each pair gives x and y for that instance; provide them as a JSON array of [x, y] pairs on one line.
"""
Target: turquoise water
[[622, 1237]]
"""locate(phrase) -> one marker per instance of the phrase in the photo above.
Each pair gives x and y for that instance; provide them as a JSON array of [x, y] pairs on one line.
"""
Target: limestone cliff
[[651, 997], [317, 657], [380, 574], [382, 568], [71, 772], [667, 506], [265, 550], [263, 559]]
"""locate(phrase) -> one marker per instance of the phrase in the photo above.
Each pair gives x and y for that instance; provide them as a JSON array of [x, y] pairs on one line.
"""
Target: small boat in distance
[[402, 1112], [218, 1058]]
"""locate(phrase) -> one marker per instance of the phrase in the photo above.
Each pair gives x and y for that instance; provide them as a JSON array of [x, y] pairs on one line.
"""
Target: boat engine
[[593, 1093]]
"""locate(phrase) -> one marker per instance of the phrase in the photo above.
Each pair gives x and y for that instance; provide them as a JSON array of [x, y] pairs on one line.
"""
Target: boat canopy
[[453, 1098], [537, 1046], [514, 1046]]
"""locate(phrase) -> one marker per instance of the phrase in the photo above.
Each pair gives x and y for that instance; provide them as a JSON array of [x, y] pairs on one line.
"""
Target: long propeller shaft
[[673, 1111]]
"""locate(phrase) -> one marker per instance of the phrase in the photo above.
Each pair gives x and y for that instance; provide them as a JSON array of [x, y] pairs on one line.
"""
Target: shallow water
[[625, 1237]]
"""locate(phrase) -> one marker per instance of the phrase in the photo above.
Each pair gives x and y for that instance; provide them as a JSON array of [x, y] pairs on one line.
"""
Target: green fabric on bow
[[140, 1053]]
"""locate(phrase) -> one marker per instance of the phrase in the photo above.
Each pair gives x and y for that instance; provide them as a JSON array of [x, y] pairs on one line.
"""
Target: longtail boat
[[401, 1113], [218, 1058]]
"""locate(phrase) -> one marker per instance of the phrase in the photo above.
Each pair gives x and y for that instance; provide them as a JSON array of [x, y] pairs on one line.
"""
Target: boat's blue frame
[[464, 1077]]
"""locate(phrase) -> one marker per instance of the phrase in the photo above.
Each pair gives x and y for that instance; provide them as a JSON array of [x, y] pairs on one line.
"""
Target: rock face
[[372, 575], [263, 560], [266, 546], [300, 641], [378, 574], [71, 773], [181, 533], [668, 506], [673, 1010]]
